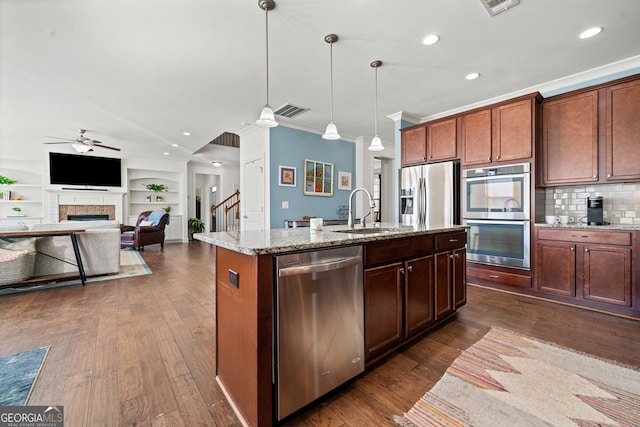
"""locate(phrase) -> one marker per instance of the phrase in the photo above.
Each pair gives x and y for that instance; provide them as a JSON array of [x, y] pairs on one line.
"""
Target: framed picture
[[318, 178], [287, 176], [344, 180]]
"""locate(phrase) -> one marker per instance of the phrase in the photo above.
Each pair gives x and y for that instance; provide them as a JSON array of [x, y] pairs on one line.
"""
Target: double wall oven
[[496, 206]]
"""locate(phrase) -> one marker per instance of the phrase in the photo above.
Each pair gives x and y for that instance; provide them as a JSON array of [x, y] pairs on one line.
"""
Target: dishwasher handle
[[319, 267]]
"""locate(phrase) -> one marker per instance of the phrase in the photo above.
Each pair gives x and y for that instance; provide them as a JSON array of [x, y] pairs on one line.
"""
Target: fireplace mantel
[[59, 197]]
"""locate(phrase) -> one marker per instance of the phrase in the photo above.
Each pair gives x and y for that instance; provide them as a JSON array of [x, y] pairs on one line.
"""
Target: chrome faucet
[[371, 206]]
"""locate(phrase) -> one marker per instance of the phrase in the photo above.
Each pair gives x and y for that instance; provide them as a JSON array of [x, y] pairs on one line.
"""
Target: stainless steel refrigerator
[[430, 194]]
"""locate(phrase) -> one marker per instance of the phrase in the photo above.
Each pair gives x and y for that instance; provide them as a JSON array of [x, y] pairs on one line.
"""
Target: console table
[[7, 235]]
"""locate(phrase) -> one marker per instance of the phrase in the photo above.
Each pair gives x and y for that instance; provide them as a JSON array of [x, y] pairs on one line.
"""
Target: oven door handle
[[494, 177], [496, 221]]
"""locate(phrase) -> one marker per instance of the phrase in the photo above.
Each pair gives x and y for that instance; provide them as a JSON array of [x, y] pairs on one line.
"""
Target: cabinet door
[[513, 131], [607, 274], [442, 142], [459, 277], [570, 139], [623, 128], [556, 268], [418, 297], [443, 279], [414, 146], [383, 288], [476, 137]]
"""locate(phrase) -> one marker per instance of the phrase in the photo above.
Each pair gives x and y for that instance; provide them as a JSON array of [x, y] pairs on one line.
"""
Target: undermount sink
[[370, 230]]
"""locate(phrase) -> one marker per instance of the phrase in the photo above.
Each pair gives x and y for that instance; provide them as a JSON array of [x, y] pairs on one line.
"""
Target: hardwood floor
[[141, 351]]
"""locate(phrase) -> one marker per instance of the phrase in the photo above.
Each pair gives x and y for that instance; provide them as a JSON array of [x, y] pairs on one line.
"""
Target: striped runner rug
[[506, 379]]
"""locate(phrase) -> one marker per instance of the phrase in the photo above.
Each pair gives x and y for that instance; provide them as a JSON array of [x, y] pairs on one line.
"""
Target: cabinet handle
[[402, 271], [410, 268], [457, 255], [608, 175], [453, 240], [489, 158], [586, 249], [572, 249], [595, 176], [498, 158], [494, 276], [575, 235]]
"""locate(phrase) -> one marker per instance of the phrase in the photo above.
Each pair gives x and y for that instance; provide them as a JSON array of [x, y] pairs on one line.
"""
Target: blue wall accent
[[290, 147]]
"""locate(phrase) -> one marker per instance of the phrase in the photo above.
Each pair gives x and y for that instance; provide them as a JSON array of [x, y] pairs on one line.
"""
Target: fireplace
[[66, 202], [88, 217]]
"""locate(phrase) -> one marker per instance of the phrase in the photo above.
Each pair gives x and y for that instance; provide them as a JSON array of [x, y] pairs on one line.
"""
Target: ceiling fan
[[82, 144]]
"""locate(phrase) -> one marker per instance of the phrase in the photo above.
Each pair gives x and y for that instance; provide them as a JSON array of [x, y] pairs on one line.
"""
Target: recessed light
[[174, 145], [216, 164], [472, 76], [590, 32], [165, 153], [430, 39], [186, 133]]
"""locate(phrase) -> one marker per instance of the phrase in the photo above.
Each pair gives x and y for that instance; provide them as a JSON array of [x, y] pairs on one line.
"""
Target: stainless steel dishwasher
[[319, 327]]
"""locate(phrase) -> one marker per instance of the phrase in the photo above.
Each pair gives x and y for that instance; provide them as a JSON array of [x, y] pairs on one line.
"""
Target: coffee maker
[[594, 211]]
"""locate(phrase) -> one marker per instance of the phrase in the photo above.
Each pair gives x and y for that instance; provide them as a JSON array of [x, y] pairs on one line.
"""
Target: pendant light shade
[[267, 118], [332, 130], [376, 143]]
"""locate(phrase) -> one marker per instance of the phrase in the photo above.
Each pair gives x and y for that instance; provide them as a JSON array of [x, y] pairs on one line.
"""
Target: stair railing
[[226, 214]]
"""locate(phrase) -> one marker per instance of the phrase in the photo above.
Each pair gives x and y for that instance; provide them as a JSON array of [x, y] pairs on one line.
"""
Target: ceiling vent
[[496, 6], [290, 111]]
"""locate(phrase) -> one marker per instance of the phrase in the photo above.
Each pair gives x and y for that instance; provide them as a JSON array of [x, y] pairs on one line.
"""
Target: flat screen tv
[[72, 169]]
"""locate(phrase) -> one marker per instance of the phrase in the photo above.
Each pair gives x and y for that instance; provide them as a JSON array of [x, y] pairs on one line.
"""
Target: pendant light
[[376, 143], [332, 130], [267, 118]]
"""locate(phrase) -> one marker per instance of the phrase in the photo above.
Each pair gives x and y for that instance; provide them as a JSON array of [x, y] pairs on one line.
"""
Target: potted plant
[[156, 188], [195, 226], [167, 209], [6, 181]]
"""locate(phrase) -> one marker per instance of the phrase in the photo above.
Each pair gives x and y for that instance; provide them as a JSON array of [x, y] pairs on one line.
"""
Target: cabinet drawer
[[498, 277], [446, 242], [586, 236], [397, 249]]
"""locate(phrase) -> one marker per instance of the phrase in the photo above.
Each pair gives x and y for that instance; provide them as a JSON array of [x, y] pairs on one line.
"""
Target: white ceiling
[[138, 73]]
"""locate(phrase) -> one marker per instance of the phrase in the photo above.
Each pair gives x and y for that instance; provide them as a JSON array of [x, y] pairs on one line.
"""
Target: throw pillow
[[146, 223]]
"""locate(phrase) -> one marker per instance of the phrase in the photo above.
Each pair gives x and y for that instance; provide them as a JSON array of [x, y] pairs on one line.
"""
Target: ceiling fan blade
[[56, 137], [61, 142], [99, 144]]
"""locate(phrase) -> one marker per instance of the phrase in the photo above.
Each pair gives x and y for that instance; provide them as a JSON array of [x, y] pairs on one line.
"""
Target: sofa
[[99, 248]]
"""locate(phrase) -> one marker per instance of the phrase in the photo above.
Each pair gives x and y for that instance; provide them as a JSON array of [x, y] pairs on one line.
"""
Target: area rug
[[18, 374], [131, 265], [509, 380]]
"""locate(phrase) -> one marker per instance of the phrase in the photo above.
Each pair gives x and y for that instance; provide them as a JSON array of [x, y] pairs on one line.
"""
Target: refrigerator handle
[[422, 200]]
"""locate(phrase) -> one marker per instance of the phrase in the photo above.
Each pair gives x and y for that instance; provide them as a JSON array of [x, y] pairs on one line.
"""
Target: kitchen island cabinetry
[[398, 300], [410, 285], [594, 268]]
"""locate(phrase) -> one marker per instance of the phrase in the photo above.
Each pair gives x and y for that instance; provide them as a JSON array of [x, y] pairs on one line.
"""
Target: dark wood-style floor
[[141, 351]]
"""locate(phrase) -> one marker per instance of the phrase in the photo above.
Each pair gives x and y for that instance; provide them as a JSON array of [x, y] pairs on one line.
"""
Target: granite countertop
[[260, 242], [613, 227]]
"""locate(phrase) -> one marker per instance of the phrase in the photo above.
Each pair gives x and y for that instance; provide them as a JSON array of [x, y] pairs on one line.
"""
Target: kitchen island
[[414, 279]]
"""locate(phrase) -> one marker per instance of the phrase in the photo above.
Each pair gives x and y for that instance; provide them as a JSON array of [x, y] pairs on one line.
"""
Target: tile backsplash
[[621, 202]]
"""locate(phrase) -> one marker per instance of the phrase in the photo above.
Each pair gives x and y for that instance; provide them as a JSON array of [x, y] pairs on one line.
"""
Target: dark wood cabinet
[[502, 133], [513, 130], [442, 140], [419, 306], [409, 288], [622, 121], [585, 264], [592, 135], [475, 136], [414, 145], [430, 142], [383, 292], [570, 139]]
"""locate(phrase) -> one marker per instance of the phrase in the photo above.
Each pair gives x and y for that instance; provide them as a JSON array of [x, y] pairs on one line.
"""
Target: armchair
[[144, 232]]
